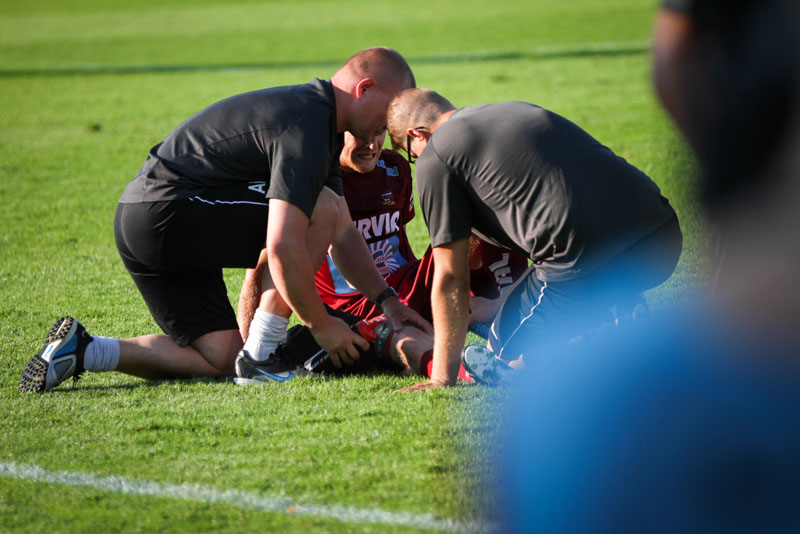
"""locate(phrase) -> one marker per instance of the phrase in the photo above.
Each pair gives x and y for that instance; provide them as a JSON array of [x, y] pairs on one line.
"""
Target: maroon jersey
[[381, 202], [499, 268]]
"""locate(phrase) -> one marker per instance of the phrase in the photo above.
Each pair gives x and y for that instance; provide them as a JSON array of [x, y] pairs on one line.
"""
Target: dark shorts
[[538, 313], [175, 251]]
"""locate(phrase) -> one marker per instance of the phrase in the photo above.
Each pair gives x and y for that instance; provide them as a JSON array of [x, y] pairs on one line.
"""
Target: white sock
[[102, 354], [267, 331]]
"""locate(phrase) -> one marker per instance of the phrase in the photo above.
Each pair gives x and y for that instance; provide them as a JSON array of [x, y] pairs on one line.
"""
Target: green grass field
[[87, 87]]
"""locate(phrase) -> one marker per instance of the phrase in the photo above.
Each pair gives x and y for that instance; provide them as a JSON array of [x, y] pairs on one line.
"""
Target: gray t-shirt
[[527, 179], [285, 136]]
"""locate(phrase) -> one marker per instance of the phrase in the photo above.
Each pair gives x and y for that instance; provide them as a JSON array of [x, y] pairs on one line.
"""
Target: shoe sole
[[34, 376], [257, 376], [247, 381], [240, 381], [475, 377], [493, 379]]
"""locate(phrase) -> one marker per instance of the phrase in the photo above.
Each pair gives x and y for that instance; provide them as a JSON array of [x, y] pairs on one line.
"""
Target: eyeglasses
[[411, 159]]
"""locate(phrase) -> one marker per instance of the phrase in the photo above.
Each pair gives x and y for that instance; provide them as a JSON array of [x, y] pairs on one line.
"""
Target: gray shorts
[[539, 313]]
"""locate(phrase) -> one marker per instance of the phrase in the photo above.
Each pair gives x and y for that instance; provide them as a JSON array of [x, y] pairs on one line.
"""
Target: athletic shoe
[[273, 369], [61, 357], [484, 367]]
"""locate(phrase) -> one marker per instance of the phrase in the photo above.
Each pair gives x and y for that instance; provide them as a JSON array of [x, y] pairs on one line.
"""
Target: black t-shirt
[[285, 136], [725, 15], [704, 12], [527, 179]]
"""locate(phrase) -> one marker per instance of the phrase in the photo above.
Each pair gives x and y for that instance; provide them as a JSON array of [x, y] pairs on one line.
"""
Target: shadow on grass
[[610, 50], [86, 386]]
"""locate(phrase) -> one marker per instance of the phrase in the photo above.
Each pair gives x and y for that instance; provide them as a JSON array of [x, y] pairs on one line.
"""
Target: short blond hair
[[414, 108]]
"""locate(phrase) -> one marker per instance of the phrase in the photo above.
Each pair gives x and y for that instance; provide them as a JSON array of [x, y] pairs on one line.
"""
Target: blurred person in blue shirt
[[691, 421]]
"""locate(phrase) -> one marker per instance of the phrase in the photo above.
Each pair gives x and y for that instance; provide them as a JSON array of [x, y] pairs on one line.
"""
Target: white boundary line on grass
[[238, 499]]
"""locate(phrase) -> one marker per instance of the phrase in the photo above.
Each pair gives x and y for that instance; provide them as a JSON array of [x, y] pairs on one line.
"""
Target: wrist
[[442, 380], [387, 293]]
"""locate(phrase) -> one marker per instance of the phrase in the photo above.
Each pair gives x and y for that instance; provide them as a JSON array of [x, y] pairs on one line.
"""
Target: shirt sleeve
[[334, 180], [408, 190], [301, 166], [684, 6], [705, 12], [443, 198]]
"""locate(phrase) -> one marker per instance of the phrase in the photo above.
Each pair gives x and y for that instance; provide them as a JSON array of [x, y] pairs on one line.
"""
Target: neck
[[342, 99], [441, 120]]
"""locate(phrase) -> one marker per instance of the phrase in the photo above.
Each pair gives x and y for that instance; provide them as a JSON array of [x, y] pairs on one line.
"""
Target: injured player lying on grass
[[378, 188]]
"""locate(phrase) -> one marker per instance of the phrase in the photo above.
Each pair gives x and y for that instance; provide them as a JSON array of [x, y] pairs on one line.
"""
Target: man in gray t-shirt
[[529, 180], [257, 171]]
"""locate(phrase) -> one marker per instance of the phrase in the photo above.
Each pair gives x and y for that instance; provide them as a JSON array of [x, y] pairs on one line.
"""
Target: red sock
[[426, 365]]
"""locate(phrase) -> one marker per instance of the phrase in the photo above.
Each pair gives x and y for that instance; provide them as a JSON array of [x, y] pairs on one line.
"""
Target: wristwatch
[[388, 292]]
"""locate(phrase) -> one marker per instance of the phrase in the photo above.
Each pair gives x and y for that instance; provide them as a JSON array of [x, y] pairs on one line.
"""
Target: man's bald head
[[414, 108], [383, 65], [364, 86]]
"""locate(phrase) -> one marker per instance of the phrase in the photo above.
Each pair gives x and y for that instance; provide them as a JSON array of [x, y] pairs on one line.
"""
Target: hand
[[422, 386], [398, 313], [483, 310], [337, 339]]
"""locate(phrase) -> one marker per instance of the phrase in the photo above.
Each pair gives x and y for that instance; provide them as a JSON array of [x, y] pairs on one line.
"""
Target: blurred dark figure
[[727, 73], [690, 423]]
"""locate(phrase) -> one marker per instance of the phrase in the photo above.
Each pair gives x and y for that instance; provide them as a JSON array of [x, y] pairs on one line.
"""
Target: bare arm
[[250, 295], [450, 303], [352, 257], [354, 260], [293, 275]]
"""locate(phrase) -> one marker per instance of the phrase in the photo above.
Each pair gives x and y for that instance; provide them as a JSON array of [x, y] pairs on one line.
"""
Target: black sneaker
[[273, 369], [61, 357]]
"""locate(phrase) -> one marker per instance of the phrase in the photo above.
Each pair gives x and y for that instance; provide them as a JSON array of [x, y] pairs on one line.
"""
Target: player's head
[[415, 114], [361, 156], [365, 84]]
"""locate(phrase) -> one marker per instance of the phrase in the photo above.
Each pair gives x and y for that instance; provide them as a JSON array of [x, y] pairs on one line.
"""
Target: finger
[[352, 354], [423, 325], [395, 322], [335, 360], [417, 387], [361, 342]]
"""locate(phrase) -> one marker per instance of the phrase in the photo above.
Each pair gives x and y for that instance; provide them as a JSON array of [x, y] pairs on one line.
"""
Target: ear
[[364, 85], [419, 135]]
